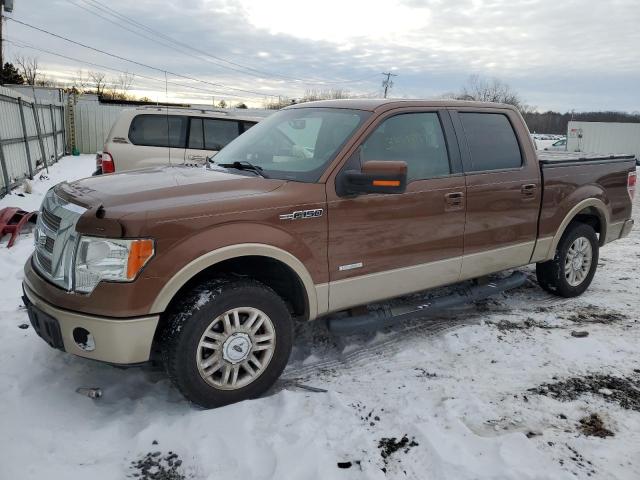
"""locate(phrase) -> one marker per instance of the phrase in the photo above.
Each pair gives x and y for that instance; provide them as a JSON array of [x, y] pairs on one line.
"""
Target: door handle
[[454, 200], [197, 157], [528, 190]]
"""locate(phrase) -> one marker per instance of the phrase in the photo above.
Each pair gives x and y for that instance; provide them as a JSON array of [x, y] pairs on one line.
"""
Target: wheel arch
[[256, 254], [591, 211]]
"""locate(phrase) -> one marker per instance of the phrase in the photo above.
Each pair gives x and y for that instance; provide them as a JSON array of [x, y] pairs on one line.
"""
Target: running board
[[392, 315]]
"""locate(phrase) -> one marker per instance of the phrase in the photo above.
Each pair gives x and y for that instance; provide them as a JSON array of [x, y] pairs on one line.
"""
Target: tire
[[197, 364], [555, 275]]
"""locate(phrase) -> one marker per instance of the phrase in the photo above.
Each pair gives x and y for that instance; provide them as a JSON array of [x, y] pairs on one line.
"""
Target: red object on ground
[[12, 221]]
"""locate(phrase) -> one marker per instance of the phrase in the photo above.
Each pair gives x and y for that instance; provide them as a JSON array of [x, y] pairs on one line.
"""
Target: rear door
[[207, 136], [503, 190], [385, 245]]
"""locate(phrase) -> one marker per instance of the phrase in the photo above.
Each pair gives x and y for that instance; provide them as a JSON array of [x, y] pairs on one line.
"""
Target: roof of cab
[[377, 104]]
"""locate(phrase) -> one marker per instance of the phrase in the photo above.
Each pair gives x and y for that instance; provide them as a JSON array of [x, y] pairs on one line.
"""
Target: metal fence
[[92, 123], [32, 136]]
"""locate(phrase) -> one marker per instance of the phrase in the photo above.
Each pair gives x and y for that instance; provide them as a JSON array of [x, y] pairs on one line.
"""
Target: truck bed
[[552, 159]]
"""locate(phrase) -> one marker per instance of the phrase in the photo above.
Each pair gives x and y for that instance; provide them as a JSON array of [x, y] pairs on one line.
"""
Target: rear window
[[158, 130], [492, 142]]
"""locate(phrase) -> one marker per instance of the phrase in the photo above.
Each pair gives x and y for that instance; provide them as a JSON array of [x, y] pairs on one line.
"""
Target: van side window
[[196, 135], [217, 133], [492, 142], [415, 138], [159, 130], [247, 125]]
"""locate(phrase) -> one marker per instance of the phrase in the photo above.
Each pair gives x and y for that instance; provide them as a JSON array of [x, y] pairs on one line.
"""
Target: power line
[[22, 44], [230, 64], [183, 50], [262, 94], [137, 24]]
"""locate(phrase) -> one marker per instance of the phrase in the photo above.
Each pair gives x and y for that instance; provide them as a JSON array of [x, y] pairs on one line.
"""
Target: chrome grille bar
[[51, 221], [56, 239]]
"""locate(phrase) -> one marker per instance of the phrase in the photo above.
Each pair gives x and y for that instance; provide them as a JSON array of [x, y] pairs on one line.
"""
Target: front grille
[[51, 221], [44, 262], [55, 239], [49, 244]]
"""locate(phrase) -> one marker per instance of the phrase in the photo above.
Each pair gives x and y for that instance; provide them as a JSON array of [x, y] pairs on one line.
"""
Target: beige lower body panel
[[618, 230], [483, 263], [375, 287], [392, 283], [542, 252], [627, 227], [116, 341]]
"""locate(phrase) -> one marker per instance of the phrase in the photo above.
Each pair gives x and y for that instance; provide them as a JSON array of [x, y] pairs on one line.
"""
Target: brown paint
[[190, 213]]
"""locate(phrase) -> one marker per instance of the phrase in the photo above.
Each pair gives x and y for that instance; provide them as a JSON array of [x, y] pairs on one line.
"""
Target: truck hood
[[162, 188]]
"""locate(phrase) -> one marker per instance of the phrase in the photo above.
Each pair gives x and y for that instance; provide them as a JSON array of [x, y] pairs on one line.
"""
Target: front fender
[[207, 248]]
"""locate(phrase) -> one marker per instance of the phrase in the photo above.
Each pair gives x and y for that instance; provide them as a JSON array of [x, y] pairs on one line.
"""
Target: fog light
[[84, 340]]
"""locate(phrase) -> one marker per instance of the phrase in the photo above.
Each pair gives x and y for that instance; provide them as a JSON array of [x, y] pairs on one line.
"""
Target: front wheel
[[572, 269], [227, 341]]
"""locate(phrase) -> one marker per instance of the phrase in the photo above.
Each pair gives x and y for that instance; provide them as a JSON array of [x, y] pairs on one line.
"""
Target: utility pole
[[387, 83], [6, 5], [1, 44]]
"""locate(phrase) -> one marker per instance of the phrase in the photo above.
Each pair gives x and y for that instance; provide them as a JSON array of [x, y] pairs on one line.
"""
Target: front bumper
[[118, 341]]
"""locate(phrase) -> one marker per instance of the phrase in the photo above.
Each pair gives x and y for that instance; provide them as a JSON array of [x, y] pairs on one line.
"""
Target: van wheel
[[227, 341], [572, 269]]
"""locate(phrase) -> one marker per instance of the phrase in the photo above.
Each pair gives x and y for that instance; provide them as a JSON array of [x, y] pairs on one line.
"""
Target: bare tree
[[281, 102], [28, 67], [490, 90], [44, 81], [98, 81], [80, 81], [120, 86], [313, 94], [124, 82]]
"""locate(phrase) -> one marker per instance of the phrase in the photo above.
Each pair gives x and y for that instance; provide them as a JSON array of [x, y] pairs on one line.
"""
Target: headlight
[[115, 260]]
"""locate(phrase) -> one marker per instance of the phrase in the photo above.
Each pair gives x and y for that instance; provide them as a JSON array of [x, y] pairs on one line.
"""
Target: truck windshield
[[295, 144]]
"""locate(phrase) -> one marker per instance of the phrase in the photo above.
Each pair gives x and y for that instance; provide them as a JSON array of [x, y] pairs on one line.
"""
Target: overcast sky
[[560, 55]]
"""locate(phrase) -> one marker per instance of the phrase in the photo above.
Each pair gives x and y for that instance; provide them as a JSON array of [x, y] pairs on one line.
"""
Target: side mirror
[[376, 176]]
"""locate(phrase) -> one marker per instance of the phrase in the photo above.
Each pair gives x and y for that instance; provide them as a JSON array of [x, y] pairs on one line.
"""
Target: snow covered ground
[[466, 389]]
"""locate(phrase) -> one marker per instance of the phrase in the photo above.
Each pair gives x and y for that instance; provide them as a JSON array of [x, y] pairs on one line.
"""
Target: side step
[[391, 316]]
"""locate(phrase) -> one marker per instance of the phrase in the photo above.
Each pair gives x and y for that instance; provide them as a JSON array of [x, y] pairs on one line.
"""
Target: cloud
[[561, 55]]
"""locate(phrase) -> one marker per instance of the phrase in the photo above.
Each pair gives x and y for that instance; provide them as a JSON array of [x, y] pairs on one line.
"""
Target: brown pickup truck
[[320, 208]]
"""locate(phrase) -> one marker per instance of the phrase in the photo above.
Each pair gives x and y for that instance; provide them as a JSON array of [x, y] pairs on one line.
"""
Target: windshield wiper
[[244, 165]]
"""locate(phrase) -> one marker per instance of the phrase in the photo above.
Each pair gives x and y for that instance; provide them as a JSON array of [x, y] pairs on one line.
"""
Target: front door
[[503, 190], [385, 245]]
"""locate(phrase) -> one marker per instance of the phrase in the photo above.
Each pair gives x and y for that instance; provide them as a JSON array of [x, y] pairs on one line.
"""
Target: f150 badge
[[300, 214]]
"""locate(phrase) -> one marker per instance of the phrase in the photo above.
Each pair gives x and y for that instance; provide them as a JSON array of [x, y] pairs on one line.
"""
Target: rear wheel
[[572, 269], [227, 341]]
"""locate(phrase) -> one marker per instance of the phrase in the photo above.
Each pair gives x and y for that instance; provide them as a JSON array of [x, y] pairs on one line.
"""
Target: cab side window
[[415, 138], [492, 142]]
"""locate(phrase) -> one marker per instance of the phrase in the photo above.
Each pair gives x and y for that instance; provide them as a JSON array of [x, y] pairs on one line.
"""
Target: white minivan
[[150, 136]]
